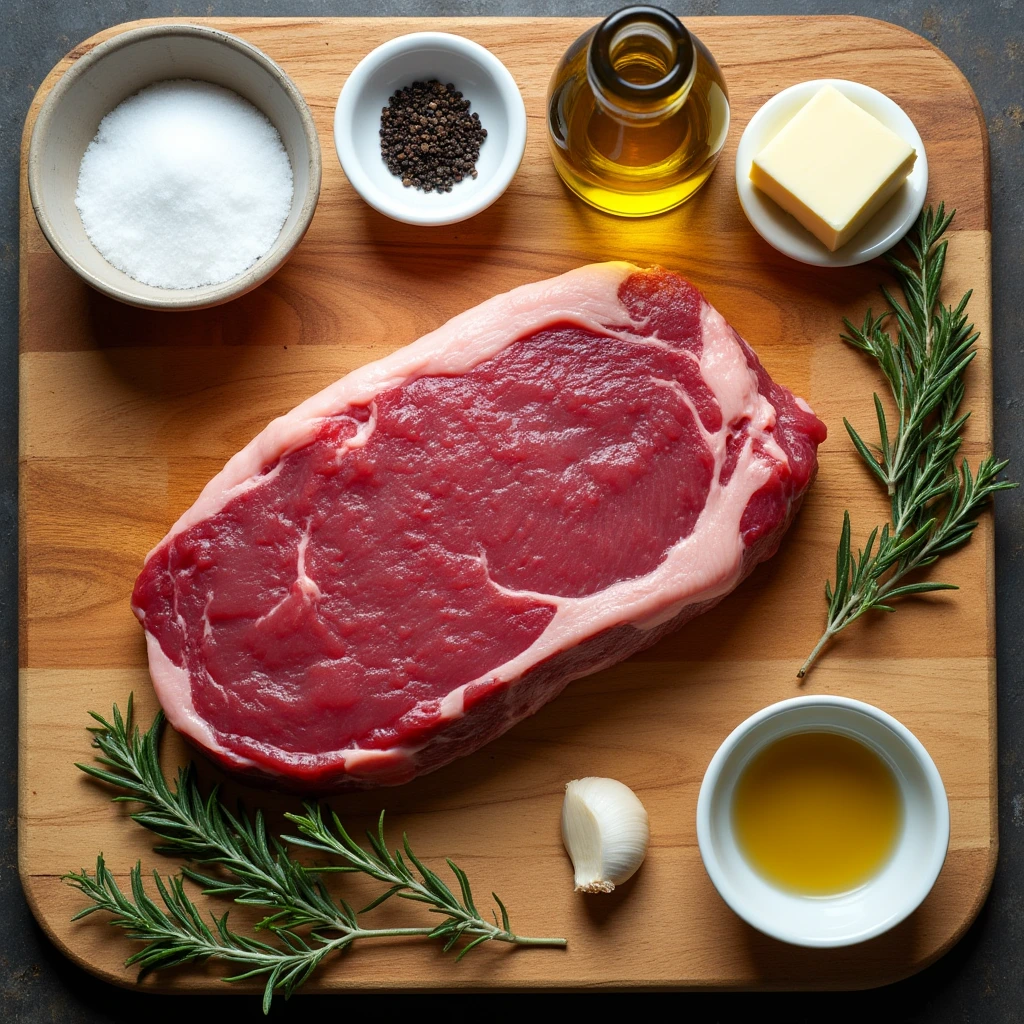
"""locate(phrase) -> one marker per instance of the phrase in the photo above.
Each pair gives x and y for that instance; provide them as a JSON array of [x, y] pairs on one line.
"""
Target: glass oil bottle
[[638, 113]]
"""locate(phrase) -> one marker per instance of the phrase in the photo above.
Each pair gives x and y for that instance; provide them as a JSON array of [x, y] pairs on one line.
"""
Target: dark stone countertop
[[982, 979]]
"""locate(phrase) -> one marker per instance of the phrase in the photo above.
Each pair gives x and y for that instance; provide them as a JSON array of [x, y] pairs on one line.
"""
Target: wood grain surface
[[125, 414]]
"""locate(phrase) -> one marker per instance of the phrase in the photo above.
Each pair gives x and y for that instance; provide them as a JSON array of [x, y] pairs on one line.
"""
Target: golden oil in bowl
[[817, 813], [638, 113]]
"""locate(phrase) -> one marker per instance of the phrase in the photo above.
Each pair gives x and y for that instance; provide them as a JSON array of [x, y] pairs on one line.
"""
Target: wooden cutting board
[[125, 414]]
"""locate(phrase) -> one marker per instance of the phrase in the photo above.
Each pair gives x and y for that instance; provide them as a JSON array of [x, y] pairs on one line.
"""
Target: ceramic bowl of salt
[[174, 167]]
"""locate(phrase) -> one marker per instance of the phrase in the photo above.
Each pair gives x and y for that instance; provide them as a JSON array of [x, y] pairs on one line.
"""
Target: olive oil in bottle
[[638, 113]]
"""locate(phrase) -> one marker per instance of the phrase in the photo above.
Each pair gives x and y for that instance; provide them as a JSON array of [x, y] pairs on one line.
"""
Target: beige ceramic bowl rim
[[203, 297]]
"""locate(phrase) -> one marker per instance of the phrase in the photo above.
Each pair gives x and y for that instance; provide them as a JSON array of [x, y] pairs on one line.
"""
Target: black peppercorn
[[428, 138]]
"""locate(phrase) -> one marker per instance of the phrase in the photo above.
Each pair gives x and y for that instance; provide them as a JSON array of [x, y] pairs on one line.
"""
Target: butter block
[[833, 166]]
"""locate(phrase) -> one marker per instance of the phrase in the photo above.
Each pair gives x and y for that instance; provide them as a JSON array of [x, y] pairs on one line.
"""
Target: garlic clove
[[606, 832]]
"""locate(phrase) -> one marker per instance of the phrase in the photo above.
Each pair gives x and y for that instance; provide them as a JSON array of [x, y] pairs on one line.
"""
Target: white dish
[[781, 230], [483, 80], [851, 917]]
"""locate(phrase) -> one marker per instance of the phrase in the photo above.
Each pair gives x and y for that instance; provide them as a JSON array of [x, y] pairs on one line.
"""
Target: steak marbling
[[430, 549]]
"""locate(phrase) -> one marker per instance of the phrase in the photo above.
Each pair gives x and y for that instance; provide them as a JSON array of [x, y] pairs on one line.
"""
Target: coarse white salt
[[185, 184]]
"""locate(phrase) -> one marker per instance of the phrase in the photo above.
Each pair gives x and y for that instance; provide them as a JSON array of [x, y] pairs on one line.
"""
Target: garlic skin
[[606, 832]]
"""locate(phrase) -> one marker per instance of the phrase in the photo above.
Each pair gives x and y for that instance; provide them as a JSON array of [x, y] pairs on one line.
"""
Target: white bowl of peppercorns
[[430, 128]]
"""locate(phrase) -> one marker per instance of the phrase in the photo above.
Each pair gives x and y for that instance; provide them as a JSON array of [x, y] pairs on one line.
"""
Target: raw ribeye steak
[[428, 550]]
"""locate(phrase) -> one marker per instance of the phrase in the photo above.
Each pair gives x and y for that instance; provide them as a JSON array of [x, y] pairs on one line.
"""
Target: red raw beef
[[430, 549]]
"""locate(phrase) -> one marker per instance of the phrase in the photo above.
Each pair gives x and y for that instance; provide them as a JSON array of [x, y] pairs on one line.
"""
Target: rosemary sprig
[[463, 918], [934, 502], [255, 868], [177, 934]]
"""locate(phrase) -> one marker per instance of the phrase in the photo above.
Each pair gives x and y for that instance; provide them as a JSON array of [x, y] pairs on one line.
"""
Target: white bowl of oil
[[822, 821]]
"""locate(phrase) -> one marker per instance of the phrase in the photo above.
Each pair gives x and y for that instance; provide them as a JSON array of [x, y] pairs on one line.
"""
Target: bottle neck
[[641, 64]]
